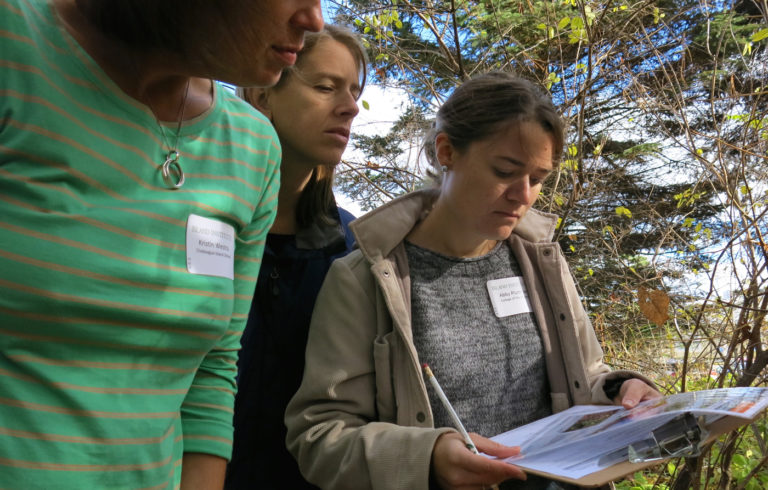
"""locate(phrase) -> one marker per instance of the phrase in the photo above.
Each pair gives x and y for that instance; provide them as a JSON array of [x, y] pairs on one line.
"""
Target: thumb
[[493, 448]]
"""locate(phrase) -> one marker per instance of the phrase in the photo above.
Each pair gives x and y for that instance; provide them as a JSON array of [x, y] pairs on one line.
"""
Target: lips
[[340, 135], [286, 54], [340, 131], [508, 215]]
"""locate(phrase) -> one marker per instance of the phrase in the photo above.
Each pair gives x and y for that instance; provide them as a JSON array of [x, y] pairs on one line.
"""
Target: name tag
[[508, 296], [210, 247]]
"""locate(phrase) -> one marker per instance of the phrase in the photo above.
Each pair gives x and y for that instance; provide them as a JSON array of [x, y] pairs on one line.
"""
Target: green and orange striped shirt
[[115, 359]]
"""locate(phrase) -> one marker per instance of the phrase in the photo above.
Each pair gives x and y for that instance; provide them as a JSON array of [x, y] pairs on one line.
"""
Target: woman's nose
[[310, 17], [520, 191], [348, 105]]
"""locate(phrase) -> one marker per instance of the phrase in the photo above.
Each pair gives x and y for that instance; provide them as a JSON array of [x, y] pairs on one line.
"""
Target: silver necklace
[[173, 174]]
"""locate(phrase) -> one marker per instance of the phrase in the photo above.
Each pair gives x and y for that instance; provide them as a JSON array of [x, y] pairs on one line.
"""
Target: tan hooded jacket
[[361, 418]]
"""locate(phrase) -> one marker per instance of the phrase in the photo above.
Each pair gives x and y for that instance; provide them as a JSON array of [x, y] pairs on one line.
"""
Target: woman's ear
[[444, 150], [258, 97]]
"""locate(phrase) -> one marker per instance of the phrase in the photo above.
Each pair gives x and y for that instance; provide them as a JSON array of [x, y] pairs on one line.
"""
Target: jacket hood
[[382, 229]]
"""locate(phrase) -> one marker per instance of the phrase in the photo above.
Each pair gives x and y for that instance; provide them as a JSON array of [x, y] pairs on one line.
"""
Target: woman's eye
[[502, 173], [324, 88], [539, 180]]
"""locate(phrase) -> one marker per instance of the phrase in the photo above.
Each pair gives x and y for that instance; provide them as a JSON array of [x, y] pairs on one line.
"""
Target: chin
[[265, 78], [502, 234], [327, 161]]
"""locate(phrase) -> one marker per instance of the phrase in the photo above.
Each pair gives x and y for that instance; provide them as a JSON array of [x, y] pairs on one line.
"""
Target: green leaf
[[563, 23], [739, 460], [366, 105]]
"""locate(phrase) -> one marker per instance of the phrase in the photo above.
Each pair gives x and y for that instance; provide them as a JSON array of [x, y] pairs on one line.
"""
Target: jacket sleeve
[[592, 354], [334, 430]]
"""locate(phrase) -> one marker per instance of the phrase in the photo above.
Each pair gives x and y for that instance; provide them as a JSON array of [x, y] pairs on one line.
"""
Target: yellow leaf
[[759, 35], [622, 211]]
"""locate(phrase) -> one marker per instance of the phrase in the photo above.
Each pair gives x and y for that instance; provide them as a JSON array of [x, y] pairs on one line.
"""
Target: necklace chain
[[173, 174]]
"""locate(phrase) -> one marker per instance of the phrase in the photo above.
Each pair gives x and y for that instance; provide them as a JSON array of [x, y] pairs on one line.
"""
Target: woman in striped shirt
[[135, 198]]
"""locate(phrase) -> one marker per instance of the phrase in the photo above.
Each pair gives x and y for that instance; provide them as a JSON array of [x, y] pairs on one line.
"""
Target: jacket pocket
[[385, 395]]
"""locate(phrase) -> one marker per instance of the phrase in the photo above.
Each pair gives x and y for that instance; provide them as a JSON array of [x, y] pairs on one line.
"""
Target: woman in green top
[[135, 196]]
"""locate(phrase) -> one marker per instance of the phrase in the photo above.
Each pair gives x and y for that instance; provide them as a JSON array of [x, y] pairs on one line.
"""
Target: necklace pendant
[[173, 175]]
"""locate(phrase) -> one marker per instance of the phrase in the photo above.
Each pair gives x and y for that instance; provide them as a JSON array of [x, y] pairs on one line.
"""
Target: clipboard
[[714, 430]]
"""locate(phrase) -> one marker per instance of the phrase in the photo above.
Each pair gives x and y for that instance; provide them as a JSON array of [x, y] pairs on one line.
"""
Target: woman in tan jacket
[[464, 277]]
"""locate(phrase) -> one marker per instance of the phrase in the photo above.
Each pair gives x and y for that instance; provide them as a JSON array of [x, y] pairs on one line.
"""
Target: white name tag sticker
[[508, 296], [210, 247]]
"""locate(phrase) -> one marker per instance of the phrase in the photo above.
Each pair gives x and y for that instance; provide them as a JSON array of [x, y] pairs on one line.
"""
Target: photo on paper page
[[589, 438]]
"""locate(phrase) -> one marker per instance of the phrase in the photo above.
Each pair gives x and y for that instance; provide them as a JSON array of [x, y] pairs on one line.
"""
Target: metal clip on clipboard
[[680, 437]]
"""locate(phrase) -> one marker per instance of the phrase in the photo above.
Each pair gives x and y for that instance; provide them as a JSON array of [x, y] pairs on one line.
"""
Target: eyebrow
[[518, 163]]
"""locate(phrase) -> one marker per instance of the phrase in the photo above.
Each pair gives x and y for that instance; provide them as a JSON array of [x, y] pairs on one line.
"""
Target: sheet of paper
[[586, 439]]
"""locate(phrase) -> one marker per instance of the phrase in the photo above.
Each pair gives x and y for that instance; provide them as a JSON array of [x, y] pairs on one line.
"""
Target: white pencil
[[449, 407]]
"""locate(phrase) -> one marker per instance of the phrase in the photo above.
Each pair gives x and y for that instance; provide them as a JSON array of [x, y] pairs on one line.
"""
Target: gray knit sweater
[[491, 369]]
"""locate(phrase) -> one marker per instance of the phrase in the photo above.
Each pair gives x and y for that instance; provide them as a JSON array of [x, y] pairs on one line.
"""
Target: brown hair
[[142, 24], [480, 106], [316, 200], [169, 25]]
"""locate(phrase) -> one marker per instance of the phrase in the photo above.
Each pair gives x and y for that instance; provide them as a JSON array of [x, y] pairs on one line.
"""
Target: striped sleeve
[[208, 408]]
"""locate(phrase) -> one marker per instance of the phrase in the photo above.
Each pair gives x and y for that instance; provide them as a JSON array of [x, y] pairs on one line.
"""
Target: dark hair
[[168, 25], [482, 105], [316, 200], [140, 24]]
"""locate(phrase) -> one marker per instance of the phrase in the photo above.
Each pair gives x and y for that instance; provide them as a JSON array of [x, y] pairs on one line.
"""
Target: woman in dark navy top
[[312, 108]]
